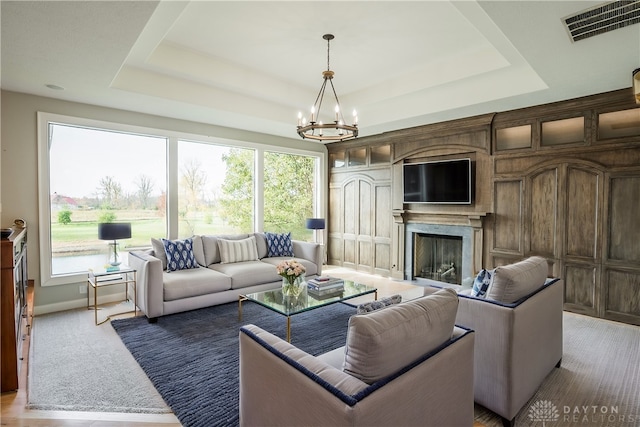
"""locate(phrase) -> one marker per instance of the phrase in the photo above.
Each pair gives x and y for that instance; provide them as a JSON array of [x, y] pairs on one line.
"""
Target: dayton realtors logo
[[545, 411]]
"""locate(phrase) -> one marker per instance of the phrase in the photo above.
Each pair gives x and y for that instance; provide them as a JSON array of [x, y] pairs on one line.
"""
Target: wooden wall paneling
[[507, 217], [581, 288], [622, 295], [335, 227], [397, 244], [349, 221], [365, 220], [582, 223], [382, 229], [542, 203], [623, 234]]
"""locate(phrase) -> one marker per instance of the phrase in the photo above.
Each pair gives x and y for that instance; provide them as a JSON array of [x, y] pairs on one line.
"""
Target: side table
[[100, 278]]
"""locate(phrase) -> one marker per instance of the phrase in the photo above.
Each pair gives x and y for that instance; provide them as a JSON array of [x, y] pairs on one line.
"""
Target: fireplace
[[437, 257], [440, 252]]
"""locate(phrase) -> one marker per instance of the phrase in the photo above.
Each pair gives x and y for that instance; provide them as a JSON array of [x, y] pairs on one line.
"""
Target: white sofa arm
[[311, 251], [149, 286]]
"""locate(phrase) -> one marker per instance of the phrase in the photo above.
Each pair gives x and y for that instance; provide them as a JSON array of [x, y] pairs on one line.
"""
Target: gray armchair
[[517, 345], [280, 385]]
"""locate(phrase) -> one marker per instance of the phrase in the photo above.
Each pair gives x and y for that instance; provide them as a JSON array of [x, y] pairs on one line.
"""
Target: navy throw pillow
[[481, 283], [179, 254], [279, 244]]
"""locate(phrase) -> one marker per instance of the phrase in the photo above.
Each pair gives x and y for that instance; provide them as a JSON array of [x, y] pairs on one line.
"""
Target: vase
[[293, 286]]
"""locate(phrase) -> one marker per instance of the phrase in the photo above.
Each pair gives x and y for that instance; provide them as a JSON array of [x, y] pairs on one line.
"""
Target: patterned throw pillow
[[238, 250], [279, 244], [179, 254], [378, 304], [481, 283]]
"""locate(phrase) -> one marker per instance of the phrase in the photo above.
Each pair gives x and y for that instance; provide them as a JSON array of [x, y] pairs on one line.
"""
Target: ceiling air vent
[[601, 19]]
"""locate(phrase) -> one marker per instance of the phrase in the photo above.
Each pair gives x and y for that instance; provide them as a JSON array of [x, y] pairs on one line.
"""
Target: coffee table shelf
[[290, 306]]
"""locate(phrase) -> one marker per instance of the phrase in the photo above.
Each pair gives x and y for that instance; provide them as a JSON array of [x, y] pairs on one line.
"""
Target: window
[[96, 176], [289, 193], [215, 189], [165, 184]]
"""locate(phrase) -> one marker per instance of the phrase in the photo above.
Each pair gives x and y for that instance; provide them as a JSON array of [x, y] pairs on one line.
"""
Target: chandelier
[[335, 129]]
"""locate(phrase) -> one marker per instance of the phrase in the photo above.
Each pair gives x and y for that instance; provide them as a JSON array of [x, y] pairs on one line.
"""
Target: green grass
[[81, 237]]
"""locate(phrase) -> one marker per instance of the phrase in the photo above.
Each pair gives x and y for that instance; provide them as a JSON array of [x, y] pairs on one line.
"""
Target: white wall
[[19, 172]]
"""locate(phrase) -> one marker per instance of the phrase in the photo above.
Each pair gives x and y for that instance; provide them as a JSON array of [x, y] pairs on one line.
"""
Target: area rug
[[75, 366], [192, 358]]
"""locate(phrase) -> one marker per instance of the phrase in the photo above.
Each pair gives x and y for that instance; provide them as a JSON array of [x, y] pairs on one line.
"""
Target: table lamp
[[316, 224], [114, 231]]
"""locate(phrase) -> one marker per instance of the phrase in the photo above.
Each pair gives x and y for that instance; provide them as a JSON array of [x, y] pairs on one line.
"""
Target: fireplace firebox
[[437, 257]]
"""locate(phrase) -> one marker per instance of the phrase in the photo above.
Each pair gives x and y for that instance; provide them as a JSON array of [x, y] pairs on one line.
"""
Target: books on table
[[325, 283]]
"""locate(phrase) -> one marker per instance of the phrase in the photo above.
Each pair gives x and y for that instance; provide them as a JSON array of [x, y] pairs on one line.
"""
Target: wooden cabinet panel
[[622, 299], [383, 211], [349, 254], [543, 201], [350, 203], [624, 219], [580, 286], [383, 258], [335, 210], [334, 251], [364, 254], [364, 213], [584, 189], [508, 216]]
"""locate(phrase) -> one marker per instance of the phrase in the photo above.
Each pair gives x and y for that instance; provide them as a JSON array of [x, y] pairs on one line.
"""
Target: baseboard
[[74, 304]]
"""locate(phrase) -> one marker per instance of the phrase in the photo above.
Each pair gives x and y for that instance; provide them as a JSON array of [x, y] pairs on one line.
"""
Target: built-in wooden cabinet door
[[621, 266], [582, 225], [364, 240]]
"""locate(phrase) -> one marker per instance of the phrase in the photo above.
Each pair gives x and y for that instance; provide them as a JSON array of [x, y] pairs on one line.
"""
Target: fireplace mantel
[[467, 225], [474, 219]]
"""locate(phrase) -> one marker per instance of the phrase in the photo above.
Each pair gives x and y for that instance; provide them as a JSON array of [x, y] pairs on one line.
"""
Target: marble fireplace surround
[[468, 227]]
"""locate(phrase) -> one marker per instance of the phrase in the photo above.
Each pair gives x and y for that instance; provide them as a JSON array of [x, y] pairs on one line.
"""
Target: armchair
[[282, 385], [517, 343]]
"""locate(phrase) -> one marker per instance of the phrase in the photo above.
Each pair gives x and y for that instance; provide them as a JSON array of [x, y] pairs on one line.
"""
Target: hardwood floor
[[14, 413]]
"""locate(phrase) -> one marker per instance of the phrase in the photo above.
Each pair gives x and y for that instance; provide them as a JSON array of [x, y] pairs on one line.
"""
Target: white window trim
[[44, 201]]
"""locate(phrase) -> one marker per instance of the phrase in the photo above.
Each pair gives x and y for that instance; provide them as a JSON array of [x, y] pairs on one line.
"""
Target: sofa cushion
[[383, 342], [248, 273], [481, 283], [514, 281], [179, 254], [261, 244], [191, 283], [210, 246], [369, 307], [279, 244], [238, 250], [198, 250], [158, 252], [310, 267]]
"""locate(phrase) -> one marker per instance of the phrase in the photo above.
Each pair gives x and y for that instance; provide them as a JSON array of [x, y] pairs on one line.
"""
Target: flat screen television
[[441, 182]]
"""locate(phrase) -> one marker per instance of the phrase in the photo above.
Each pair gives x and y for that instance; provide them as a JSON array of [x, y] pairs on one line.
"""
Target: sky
[[81, 157]]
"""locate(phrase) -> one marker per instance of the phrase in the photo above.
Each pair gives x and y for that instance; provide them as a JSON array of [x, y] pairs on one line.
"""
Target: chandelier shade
[[335, 128]]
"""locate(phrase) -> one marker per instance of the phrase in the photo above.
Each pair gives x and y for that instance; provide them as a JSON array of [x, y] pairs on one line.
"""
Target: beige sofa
[[518, 328], [403, 365], [214, 282]]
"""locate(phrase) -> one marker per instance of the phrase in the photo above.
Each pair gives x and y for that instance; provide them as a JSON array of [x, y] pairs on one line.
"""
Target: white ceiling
[[254, 65]]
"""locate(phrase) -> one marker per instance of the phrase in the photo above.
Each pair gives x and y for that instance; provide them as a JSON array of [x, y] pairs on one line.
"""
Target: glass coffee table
[[289, 305]]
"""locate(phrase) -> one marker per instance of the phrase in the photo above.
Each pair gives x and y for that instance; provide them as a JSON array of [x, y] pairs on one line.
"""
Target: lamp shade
[[315, 223], [114, 230]]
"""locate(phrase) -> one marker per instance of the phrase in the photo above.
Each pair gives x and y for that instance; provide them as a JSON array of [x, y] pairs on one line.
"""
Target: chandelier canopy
[[334, 128]]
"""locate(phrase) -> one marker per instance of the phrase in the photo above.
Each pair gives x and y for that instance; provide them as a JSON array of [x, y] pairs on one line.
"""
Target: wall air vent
[[601, 19]]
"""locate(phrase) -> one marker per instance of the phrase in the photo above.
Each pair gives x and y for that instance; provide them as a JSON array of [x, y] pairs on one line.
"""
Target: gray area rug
[[77, 366], [192, 357]]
